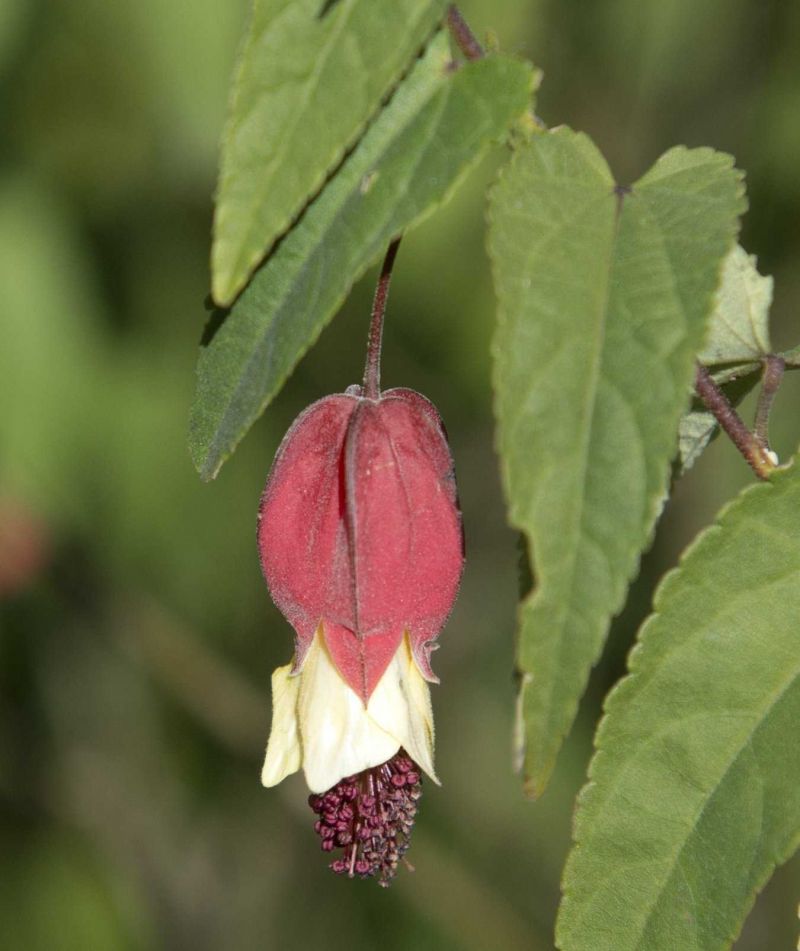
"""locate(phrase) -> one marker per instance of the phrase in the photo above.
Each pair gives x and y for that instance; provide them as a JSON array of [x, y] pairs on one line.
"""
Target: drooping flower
[[321, 724], [361, 546]]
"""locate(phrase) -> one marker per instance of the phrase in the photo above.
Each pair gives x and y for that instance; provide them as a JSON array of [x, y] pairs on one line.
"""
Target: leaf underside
[[737, 340], [694, 798], [434, 128], [738, 331], [309, 77], [603, 297]]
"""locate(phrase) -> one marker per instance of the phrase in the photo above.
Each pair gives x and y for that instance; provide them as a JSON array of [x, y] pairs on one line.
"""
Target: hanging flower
[[361, 546], [321, 724]]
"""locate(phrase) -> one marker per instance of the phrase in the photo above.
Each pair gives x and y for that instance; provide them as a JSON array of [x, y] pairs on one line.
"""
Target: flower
[[360, 762], [321, 725], [361, 546]]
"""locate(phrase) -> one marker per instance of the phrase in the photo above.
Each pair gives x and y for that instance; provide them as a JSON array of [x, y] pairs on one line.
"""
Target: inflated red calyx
[[359, 526], [360, 530]]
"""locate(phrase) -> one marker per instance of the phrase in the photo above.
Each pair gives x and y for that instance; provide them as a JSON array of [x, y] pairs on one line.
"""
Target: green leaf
[[792, 358], [311, 75], [694, 797], [436, 127], [603, 296], [738, 337], [738, 331]]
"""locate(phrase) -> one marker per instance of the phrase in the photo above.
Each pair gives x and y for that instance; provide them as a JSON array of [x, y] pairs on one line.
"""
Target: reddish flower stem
[[462, 34], [748, 444], [372, 369]]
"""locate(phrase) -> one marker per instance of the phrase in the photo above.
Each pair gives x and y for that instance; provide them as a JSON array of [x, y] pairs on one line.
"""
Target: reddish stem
[[462, 34], [770, 381], [756, 454], [372, 369]]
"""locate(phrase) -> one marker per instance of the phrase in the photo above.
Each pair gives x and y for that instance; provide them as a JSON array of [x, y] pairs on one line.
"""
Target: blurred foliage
[[137, 637]]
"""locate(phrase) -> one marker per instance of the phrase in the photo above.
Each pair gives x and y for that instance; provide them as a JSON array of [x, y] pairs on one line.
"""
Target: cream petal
[[401, 705], [284, 754], [338, 736], [319, 723]]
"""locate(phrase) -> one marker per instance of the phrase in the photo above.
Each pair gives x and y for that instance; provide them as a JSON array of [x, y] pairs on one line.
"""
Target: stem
[[773, 374], [462, 34], [372, 368], [756, 455]]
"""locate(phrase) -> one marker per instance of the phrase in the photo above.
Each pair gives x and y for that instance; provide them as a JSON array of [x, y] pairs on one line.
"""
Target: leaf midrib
[[590, 400]]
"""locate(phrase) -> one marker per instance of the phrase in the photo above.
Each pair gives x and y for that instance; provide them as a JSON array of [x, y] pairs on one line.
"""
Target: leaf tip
[[206, 463], [223, 288]]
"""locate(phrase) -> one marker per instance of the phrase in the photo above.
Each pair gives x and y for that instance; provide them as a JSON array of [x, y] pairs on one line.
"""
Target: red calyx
[[359, 529]]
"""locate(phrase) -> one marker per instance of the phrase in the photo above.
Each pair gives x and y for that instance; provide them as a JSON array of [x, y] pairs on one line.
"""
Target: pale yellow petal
[[338, 737], [284, 754], [401, 705]]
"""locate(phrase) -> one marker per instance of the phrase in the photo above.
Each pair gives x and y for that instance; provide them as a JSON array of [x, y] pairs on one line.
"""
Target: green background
[[137, 637]]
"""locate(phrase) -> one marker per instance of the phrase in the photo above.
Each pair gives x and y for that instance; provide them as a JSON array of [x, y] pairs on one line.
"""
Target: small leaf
[[694, 797], [310, 76], [738, 330], [792, 357], [738, 337], [436, 126], [603, 295]]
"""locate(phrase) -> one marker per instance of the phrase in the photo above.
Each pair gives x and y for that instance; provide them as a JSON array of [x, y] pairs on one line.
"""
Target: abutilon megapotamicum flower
[[361, 546]]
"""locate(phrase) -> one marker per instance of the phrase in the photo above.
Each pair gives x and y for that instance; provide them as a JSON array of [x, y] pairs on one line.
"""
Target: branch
[[757, 455]]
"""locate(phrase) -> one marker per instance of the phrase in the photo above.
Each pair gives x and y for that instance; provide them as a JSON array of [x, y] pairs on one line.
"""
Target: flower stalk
[[372, 368]]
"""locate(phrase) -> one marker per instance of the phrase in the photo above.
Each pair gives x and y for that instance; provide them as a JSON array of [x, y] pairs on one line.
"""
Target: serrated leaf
[[436, 126], [310, 76], [738, 331], [738, 337], [694, 797], [603, 298]]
